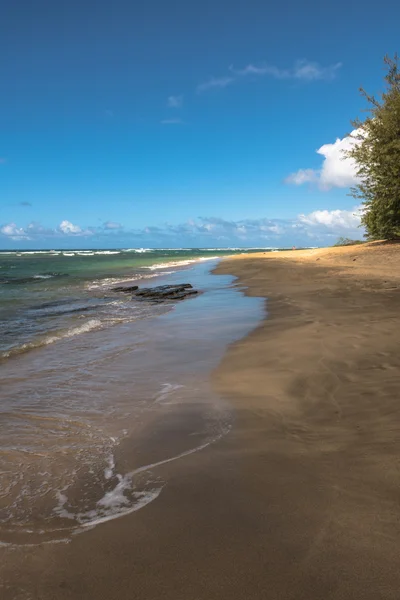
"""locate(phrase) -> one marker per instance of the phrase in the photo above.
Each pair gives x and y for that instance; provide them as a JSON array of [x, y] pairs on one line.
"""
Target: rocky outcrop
[[160, 293], [125, 289]]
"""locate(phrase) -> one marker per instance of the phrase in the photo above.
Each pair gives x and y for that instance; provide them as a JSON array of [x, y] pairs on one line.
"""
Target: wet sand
[[302, 499]]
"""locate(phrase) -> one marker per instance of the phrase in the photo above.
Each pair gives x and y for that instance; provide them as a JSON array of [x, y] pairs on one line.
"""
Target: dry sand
[[302, 500]]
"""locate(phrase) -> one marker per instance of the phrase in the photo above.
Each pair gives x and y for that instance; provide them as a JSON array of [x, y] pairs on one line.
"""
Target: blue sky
[[181, 123]]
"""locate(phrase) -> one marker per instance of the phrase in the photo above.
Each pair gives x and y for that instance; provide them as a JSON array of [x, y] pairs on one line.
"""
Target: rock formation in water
[[160, 293]]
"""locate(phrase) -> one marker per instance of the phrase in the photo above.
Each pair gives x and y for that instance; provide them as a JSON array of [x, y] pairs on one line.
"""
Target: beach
[[297, 494]]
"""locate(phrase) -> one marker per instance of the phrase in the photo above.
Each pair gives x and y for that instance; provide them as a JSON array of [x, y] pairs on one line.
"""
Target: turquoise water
[[46, 296]]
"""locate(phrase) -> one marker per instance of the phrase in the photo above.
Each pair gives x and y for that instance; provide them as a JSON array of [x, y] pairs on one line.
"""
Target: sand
[[302, 499]]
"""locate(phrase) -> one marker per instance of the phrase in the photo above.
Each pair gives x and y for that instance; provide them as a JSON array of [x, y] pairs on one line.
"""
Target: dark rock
[[183, 295], [163, 293], [163, 289], [125, 289]]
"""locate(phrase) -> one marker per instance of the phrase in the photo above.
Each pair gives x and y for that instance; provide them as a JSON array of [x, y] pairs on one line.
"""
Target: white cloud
[[337, 169], [175, 102], [334, 220], [112, 225], [12, 231], [312, 71], [215, 82], [68, 227], [302, 70], [256, 70], [302, 176]]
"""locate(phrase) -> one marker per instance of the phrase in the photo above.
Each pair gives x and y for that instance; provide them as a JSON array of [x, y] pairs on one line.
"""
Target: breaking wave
[[179, 263]]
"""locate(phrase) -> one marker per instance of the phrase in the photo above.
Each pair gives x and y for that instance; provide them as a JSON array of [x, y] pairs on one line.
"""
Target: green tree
[[377, 157]]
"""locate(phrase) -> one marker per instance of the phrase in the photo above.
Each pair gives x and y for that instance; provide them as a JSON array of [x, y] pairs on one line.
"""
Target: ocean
[[89, 376], [46, 296]]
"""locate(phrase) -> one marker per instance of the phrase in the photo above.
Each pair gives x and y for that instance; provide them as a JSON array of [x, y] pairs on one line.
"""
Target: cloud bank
[[320, 227]]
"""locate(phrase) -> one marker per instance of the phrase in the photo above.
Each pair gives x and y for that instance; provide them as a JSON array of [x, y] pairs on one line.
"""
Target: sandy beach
[[301, 501]]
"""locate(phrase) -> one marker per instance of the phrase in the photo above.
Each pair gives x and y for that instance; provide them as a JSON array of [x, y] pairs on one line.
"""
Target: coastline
[[300, 500]]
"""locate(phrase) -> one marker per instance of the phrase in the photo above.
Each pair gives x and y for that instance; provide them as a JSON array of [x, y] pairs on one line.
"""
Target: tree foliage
[[377, 157]]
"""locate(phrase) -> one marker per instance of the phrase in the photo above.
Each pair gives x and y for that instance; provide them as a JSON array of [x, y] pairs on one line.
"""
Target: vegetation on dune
[[377, 157], [343, 241]]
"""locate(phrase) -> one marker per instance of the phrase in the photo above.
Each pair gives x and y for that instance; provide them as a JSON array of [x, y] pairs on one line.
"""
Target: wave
[[167, 390], [179, 263], [21, 252], [61, 309], [31, 279], [109, 282], [91, 252], [138, 250], [71, 252], [89, 325]]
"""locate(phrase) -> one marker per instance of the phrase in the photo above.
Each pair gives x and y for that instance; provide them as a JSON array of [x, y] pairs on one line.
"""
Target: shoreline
[[301, 499]]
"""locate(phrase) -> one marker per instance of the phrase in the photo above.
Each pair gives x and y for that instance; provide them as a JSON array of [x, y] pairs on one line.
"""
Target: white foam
[[116, 497], [88, 326], [167, 390], [142, 499], [179, 263], [139, 250], [57, 541], [109, 470], [111, 281], [27, 252], [60, 510], [115, 504]]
